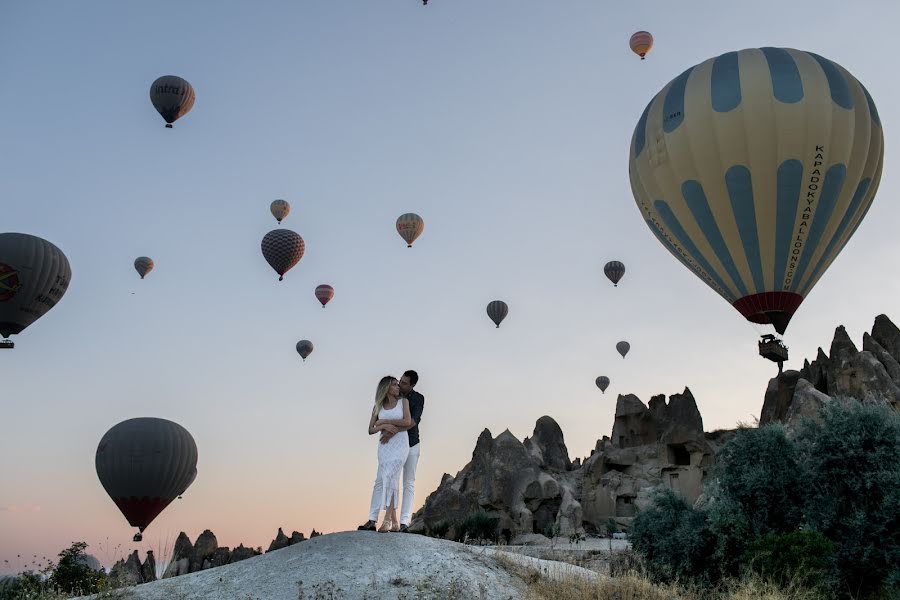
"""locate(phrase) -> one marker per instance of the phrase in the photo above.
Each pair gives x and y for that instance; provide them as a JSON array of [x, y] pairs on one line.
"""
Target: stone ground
[[358, 565]]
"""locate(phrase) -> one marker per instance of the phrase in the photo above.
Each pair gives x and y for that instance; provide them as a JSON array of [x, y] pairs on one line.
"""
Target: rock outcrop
[[132, 572], [202, 555]]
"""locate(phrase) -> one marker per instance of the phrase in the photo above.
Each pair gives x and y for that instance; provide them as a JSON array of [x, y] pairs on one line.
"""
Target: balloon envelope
[[143, 265], [282, 249], [640, 43], [280, 209], [144, 464], [324, 294], [172, 97], [623, 348], [410, 226], [614, 270], [497, 311], [602, 383], [34, 276], [304, 348], [754, 169]]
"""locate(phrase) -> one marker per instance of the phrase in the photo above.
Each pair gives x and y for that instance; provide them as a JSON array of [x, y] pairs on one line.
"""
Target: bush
[[439, 529], [798, 558], [479, 526], [674, 540], [611, 526], [73, 576], [852, 471]]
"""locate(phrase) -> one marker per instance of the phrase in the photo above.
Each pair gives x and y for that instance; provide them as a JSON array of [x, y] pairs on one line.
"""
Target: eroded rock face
[[204, 554]]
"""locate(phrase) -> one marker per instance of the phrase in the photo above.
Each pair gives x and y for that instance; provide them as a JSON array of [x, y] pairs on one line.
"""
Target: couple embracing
[[396, 415]]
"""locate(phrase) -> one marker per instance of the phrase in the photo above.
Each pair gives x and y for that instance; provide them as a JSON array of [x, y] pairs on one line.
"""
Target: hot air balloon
[[754, 169], [143, 265], [603, 383], [144, 464], [497, 311], [34, 276], [623, 348], [410, 226], [280, 209], [614, 270], [641, 42], [172, 97], [324, 294], [282, 249], [304, 349]]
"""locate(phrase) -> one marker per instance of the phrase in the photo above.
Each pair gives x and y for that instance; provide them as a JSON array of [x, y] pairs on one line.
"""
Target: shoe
[[367, 526], [404, 529], [385, 526]]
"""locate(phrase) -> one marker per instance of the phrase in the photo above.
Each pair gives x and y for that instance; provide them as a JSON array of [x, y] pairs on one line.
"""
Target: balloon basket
[[168, 126], [138, 537], [7, 344]]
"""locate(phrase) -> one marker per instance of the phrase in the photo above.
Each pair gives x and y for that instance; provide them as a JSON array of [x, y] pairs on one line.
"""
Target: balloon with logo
[[324, 294], [641, 42], [34, 276], [410, 226], [143, 265], [614, 271], [497, 311], [754, 169], [172, 97], [623, 348], [282, 249], [280, 209], [602, 383], [144, 464], [304, 349]]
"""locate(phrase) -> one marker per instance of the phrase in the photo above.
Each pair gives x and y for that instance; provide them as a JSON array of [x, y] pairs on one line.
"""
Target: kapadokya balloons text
[[304, 349], [34, 276], [410, 226], [602, 383], [497, 311], [144, 464], [614, 271], [640, 43], [623, 348], [172, 97], [143, 265], [754, 169], [282, 249], [324, 294], [280, 209]]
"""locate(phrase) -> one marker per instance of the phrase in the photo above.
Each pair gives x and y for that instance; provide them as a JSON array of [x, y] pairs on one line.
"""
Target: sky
[[505, 124]]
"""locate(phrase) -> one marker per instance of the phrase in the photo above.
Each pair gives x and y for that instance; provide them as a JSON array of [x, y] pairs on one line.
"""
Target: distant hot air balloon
[[410, 226], [34, 276], [304, 349], [144, 464], [623, 348], [614, 270], [172, 97], [603, 383], [143, 265], [497, 311], [324, 293], [280, 209], [754, 169], [282, 249], [641, 42]]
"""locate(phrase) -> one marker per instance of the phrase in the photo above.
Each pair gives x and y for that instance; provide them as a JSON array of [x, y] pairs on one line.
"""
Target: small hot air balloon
[[144, 464], [614, 271], [324, 293], [410, 226], [143, 265], [172, 97], [756, 207], [497, 311], [282, 249], [280, 209], [641, 42], [304, 349], [34, 276], [623, 348], [603, 383]]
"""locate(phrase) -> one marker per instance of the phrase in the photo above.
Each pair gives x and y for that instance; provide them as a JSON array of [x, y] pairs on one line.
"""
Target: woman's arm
[[406, 421], [375, 425]]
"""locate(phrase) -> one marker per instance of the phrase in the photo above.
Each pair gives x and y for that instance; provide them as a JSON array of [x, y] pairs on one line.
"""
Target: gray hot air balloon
[[143, 265], [497, 311], [410, 226], [280, 209], [144, 464], [34, 275], [304, 349], [614, 270], [172, 97], [623, 348], [282, 249], [603, 383]]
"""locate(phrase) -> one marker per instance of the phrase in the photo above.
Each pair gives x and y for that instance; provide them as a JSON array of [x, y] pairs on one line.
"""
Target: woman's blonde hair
[[382, 391]]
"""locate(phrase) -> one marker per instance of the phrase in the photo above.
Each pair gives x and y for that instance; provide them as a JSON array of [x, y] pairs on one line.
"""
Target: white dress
[[391, 458]]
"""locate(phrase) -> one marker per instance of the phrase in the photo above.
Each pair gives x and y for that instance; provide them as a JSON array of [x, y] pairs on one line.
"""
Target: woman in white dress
[[390, 412]]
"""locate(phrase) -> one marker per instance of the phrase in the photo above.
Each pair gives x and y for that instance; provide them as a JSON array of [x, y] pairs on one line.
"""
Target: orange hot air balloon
[[641, 42]]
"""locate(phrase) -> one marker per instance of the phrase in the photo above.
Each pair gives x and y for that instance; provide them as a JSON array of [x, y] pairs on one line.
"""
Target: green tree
[[798, 557], [72, 574]]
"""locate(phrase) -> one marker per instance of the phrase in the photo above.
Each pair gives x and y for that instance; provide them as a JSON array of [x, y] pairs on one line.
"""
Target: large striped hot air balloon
[[282, 249], [143, 265], [144, 464], [410, 226], [640, 43], [172, 97], [614, 271], [324, 294], [497, 311], [34, 276], [754, 169]]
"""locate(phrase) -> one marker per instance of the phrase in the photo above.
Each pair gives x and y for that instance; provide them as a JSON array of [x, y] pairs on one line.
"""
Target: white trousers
[[409, 487]]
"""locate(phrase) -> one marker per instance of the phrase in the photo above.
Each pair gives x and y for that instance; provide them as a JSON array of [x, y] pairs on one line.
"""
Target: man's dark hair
[[413, 377]]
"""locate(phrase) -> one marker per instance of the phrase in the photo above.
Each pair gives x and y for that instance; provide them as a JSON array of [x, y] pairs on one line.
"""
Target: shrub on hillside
[[479, 526], [439, 529], [800, 557]]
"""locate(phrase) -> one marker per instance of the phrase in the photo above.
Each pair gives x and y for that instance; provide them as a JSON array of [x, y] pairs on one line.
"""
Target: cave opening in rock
[[625, 506], [607, 467], [679, 455], [545, 517]]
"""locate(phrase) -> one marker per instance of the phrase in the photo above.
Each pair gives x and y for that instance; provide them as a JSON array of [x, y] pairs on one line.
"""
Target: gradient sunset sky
[[505, 123]]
